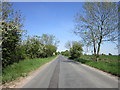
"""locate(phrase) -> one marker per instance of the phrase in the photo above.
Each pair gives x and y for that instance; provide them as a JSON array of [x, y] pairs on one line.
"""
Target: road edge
[[98, 70], [21, 81]]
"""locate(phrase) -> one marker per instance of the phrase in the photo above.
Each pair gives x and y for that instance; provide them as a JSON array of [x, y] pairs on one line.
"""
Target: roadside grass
[[106, 63], [22, 68], [105, 58]]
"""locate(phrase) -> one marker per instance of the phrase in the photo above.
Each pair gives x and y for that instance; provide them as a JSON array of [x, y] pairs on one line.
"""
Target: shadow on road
[[70, 61]]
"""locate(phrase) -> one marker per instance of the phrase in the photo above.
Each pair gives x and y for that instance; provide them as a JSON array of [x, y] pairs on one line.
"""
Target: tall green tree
[[34, 48], [50, 43], [11, 23], [50, 50], [97, 24], [47, 39]]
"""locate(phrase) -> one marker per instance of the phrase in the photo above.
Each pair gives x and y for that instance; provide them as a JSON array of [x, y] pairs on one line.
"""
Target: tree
[[109, 54], [34, 48], [76, 50], [11, 23], [69, 44], [49, 40], [50, 43], [97, 24], [65, 53], [50, 50], [57, 53]]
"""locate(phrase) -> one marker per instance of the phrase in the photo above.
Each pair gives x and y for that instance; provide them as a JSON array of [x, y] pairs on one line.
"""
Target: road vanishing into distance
[[65, 73]]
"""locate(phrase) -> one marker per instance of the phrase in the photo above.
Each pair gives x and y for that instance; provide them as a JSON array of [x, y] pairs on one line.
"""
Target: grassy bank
[[106, 63], [22, 68]]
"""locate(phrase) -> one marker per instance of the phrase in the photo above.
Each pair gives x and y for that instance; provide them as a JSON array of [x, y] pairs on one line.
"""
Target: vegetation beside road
[[96, 25], [22, 68], [16, 44], [22, 53], [106, 63]]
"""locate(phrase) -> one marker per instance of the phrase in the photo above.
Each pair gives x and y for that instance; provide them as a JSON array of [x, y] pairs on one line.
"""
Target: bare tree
[[97, 24], [68, 44], [49, 39]]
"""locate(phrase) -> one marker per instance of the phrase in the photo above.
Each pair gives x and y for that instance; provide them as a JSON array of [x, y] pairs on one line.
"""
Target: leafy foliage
[[14, 48], [50, 50], [33, 47], [65, 53], [76, 50], [11, 33]]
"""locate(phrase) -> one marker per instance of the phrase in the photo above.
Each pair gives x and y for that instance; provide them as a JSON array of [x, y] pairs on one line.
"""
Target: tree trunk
[[98, 50], [94, 49], [94, 44], [100, 41]]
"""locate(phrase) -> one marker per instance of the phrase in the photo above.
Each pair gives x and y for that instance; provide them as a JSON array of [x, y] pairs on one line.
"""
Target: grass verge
[[108, 64], [22, 68]]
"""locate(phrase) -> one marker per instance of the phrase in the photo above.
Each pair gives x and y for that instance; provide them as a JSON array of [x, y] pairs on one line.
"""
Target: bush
[[11, 37], [50, 50], [76, 50], [13, 49], [103, 54], [66, 53], [110, 54]]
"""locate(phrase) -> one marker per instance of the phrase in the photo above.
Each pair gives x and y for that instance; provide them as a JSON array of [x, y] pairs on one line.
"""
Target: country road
[[64, 73]]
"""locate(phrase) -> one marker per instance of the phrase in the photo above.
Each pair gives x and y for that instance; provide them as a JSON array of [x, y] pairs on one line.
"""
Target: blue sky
[[56, 18]]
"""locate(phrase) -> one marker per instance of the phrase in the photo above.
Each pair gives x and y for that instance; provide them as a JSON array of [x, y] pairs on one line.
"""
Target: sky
[[56, 18]]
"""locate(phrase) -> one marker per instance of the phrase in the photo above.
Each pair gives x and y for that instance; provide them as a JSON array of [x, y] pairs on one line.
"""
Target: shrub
[[76, 50], [110, 54], [66, 53]]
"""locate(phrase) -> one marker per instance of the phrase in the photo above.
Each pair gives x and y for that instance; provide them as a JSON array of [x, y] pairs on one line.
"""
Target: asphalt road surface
[[64, 73]]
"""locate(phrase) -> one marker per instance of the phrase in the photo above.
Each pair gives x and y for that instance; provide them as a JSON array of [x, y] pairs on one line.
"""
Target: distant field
[[102, 57], [22, 68], [106, 63]]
